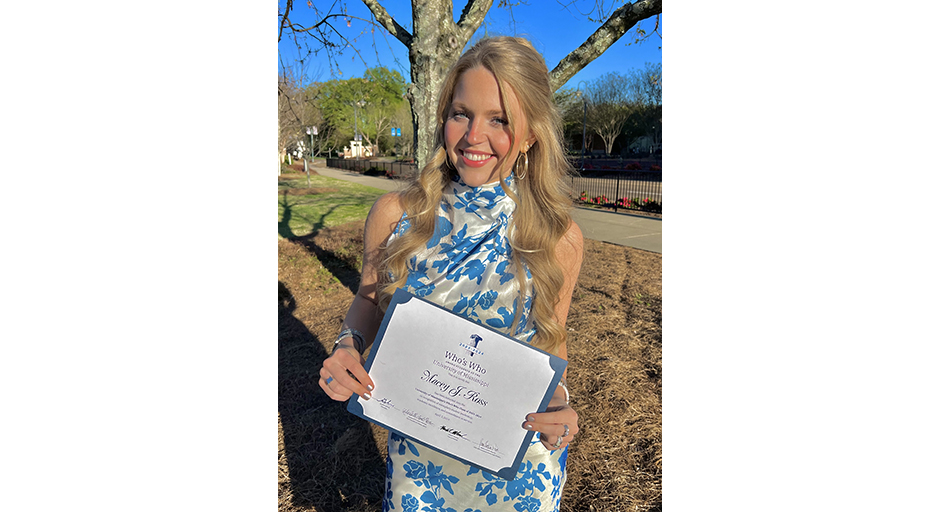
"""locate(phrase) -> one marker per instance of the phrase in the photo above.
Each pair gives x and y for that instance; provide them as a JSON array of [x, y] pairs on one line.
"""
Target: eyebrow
[[459, 105]]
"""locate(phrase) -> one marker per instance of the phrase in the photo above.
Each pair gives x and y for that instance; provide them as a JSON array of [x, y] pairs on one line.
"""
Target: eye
[[458, 113], [500, 121]]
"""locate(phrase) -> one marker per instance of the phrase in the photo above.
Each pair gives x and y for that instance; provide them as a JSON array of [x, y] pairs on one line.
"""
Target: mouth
[[472, 159]]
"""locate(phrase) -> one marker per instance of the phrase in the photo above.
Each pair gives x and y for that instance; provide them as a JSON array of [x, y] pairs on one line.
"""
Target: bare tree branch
[[472, 17], [382, 16], [616, 26], [284, 20]]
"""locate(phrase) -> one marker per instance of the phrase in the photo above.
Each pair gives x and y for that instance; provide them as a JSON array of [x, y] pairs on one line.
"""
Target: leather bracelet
[[358, 339]]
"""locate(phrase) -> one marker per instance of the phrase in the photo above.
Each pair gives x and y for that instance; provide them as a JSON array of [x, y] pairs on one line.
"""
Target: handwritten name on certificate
[[456, 386]]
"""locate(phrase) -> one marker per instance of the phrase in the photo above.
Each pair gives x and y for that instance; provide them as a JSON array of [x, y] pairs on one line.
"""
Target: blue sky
[[552, 29]]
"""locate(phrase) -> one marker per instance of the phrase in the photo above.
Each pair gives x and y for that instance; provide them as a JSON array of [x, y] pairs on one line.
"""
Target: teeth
[[475, 157]]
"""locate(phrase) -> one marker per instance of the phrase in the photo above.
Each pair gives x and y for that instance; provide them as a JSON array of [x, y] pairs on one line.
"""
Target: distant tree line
[[622, 111], [370, 105]]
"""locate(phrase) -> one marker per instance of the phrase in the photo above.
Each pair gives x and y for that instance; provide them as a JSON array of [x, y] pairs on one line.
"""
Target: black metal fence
[[614, 189], [620, 190], [390, 169]]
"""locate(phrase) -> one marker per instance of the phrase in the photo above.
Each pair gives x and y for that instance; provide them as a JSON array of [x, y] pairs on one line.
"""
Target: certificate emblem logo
[[473, 348]]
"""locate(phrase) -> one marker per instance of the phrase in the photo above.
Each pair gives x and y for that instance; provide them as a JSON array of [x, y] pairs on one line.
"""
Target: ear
[[527, 144]]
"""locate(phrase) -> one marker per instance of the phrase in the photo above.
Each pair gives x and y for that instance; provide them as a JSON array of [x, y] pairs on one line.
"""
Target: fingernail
[[527, 426], [369, 387], [366, 396], [530, 418]]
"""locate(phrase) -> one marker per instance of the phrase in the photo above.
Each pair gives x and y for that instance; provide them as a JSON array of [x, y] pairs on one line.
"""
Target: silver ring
[[557, 444], [566, 432], [329, 380]]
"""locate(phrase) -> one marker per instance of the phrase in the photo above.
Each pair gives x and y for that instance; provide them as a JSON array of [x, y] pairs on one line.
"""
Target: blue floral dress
[[467, 268]]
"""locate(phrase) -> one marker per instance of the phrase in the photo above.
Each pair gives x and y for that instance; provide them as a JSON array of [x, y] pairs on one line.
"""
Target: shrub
[[645, 204], [633, 166], [656, 168]]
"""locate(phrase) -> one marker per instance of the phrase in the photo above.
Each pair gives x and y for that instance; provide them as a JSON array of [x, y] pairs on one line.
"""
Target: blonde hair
[[543, 201]]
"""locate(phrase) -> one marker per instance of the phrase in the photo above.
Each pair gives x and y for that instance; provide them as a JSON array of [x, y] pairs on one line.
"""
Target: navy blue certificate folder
[[446, 390]]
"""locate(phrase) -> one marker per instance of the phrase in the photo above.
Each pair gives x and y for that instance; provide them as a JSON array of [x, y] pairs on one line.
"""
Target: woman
[[484, 231]]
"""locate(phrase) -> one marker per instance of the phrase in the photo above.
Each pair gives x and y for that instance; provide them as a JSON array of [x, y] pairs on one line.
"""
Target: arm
[[551, 424], [364, 314]]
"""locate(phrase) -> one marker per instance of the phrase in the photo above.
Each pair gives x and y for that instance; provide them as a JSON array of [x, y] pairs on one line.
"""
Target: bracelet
[[358, 339], [564, 387]]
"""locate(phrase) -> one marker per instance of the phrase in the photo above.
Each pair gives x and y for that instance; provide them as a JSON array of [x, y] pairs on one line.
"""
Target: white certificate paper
[[456, 386]]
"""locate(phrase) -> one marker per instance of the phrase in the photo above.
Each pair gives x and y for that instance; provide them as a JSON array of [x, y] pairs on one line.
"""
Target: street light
[[310, 133], [653, 145], [306, 169]]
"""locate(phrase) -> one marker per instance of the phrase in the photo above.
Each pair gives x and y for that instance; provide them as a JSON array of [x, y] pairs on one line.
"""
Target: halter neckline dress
[[467, 268]]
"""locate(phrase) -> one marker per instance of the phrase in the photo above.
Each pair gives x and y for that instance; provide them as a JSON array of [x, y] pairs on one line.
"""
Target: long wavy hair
[[542, 214]]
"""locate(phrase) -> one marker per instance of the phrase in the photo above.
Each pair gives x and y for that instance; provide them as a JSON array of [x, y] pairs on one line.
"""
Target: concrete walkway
[[624, 229]]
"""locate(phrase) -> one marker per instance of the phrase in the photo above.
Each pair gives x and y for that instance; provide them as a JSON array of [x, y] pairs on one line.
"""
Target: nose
[[475, 134]]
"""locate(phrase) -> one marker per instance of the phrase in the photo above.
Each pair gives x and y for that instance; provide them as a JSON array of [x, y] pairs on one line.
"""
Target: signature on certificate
[[452, 431], [415, 417], [487, 447]]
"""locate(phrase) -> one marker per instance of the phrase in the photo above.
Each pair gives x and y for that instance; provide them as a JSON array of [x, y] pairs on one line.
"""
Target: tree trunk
[[433, 51]]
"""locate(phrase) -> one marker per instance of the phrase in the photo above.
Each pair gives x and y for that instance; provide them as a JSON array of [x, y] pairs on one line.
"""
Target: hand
[[344, 369], [551, 424]]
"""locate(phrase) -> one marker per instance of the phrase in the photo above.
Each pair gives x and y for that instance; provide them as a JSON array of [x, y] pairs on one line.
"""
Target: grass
[[326, 203], [330, 460]]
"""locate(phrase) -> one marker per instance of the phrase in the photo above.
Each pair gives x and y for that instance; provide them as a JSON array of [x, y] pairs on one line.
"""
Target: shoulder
[[570, 248], [386, 212]]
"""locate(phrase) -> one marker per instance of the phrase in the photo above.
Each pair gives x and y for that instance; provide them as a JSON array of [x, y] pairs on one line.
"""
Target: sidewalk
[[624, 229]]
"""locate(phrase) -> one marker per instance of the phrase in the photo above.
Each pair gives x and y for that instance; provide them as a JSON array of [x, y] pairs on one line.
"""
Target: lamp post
[[306, 169], [311, 143], [396, 133], [653, 145], [310, 133]]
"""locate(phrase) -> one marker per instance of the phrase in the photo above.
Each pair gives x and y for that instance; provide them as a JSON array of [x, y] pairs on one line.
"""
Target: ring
[[566, 432], [329, 380], [557, 444]]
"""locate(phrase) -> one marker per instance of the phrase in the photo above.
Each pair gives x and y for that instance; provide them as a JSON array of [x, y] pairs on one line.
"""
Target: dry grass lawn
[[330, 460]]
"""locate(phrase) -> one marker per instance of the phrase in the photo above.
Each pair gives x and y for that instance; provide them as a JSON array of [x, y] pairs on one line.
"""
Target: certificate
[[456, 386]]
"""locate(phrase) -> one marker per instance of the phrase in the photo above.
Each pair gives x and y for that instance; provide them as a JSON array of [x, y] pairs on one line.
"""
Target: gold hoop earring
[[525, 166]]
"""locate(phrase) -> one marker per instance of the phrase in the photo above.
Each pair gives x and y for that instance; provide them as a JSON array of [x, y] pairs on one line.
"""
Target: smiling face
[[476, 131]]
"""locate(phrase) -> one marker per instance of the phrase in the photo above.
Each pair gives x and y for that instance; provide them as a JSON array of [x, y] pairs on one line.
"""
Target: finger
[[549, 433], [338, 366], [564, 415], [359, 372], [554, 427], [340, 394], [551, 446], [333, 389]]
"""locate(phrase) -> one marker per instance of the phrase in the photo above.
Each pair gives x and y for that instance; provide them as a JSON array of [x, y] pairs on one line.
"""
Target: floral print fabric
[[467, 268]]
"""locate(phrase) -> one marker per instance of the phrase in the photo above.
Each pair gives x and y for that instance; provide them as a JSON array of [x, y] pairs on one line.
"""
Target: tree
[[570, 107], [402, 120], [651, 88], [384, 98], [609, 107], [365, 104], [437, 41], [289, 111], [325, 140], [645, 91]]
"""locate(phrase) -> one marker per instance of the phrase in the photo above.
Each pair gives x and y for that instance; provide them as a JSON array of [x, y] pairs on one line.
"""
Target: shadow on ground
[[332, 461]]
